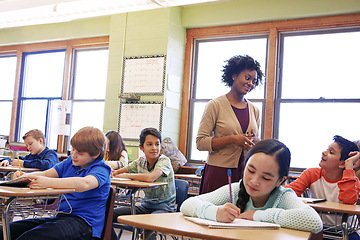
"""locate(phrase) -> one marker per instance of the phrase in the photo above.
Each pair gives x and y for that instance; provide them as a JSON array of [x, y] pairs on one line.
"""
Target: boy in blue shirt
[[82, 213], [153, 167], [40, 157]]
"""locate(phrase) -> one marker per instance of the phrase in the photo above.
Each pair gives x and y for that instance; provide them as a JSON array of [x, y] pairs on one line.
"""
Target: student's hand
[[249, 215], [353, 161], [5, 163], [18, 174], [38, 181], [243, 141], [227, 213], [15, 162]]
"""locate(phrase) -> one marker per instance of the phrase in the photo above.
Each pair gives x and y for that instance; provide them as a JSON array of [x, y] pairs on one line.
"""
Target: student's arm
[[349, 186], [208, 205], [145, 177], [302, 183], [48, 160], [80, 184], [290, 212]]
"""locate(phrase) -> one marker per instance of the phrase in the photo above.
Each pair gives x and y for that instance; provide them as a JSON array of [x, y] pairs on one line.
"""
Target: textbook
[[237, 223], [313, 200], [18, 182]]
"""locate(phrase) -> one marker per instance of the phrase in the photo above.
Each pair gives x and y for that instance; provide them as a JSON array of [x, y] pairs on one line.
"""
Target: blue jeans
[[63, 226]]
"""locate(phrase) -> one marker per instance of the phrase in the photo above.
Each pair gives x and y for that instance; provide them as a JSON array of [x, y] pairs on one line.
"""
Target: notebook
[[237, 223], [313, 200], [18, 182]]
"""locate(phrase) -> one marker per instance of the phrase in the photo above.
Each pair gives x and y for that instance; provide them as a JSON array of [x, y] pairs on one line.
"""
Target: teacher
[[230, 124]]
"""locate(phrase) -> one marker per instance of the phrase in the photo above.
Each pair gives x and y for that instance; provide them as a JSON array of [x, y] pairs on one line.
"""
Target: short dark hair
[[236, 65], [149, 131], [346, 146]]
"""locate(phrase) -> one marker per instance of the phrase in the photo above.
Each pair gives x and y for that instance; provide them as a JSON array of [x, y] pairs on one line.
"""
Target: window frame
[[273, 29], [68, 45]]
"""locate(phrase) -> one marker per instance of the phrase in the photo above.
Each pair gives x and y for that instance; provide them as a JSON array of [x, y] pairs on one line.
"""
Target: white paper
[[172, 100]]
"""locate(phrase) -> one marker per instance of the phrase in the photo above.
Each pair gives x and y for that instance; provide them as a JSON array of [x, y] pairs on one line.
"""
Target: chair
[[106, 233], [181, 188]]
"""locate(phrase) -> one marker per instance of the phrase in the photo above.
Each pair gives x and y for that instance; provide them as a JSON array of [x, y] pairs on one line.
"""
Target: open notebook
[[238, 223], [18, 182]]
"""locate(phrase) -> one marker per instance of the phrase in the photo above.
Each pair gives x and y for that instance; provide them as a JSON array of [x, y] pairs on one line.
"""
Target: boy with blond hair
[[40, 157], [82, 213]]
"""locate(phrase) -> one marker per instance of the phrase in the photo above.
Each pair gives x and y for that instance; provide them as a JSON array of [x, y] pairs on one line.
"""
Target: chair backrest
[[182, 188], [106, 233]]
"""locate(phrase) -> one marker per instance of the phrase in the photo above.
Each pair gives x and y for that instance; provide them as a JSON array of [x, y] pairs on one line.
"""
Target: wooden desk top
[[191, 176], [15, 168], [28, 192], [336, 207], [121, 182], [175, 223]]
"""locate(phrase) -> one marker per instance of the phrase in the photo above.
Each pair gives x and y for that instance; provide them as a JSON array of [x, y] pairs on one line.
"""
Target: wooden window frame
[[272, 29], [69, 45]]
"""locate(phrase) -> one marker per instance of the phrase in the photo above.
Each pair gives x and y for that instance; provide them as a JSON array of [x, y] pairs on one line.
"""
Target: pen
[[229, 179], [19, 165]]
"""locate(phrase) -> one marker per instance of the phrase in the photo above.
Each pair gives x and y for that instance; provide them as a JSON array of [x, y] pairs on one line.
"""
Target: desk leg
[[344, 226], [133, 212], [5, 218]]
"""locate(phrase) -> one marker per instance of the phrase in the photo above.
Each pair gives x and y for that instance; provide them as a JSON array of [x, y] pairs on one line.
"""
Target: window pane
[[90, 74], [197, 114], [44, 73], [210, 62], [7, 77], [321, 66], [87, 114], [308, 128], [33, 116], [5, 118]]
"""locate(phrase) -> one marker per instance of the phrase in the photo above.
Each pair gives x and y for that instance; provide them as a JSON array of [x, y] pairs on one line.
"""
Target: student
[[82, 213], [153, 167], [335, 179], [116, 154], [40, 157], [258, 196]]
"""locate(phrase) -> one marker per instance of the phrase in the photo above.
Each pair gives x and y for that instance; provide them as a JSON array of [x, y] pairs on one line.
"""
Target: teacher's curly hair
[[236, 65]]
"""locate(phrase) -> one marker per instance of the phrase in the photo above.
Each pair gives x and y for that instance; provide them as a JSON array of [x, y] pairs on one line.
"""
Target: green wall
[[163, 31]]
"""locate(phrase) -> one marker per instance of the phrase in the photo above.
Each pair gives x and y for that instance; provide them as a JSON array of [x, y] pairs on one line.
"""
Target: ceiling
[[16, 13]]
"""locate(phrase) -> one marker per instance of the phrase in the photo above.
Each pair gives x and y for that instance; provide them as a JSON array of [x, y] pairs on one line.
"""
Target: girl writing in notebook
[[258, 196]]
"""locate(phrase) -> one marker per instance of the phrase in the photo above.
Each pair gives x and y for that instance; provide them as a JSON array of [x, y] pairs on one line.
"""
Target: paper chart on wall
[[143, 75], [134, 117]]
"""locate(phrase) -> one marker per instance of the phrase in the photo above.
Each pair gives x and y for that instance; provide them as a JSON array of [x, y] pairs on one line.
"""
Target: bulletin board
[[135, 116], [144, 75]]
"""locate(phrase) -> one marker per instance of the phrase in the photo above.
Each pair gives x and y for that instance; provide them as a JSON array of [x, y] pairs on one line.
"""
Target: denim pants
[[63, 226]]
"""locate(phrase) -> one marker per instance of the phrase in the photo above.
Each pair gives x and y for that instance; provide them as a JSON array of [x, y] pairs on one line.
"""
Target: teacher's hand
[[243, 141]]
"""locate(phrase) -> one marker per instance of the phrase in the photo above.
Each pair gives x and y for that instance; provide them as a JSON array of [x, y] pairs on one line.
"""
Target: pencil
[[229, 179], [19, 165]]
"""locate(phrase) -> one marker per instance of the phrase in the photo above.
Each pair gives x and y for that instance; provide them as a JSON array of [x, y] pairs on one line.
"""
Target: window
[[210, 58], [7, 83], [42, 83], [45, 75], [312, 82], [318, 93], [90, 72]]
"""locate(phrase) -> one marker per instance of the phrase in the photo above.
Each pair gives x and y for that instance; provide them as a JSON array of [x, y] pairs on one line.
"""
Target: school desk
[[176, 224], [344, 209], [134, 186], [10, 169], [10, 194]]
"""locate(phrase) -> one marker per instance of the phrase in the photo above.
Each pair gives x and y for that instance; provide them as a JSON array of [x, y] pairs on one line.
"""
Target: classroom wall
[[163, 31]]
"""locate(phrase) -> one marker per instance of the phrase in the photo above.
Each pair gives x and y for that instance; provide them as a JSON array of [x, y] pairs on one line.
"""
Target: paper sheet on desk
[[121, 179], [237, 223]]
